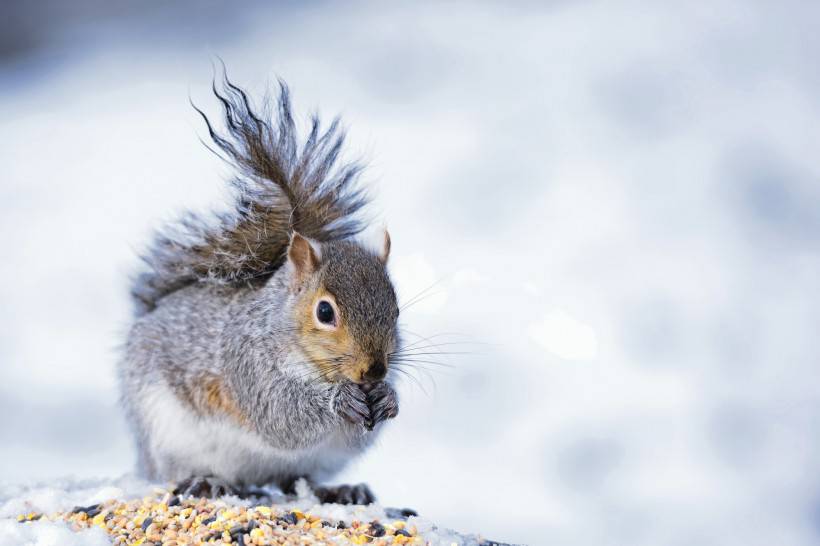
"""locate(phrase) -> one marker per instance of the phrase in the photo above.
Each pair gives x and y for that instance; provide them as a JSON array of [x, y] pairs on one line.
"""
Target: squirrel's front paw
[[383, 404], [351, 403]]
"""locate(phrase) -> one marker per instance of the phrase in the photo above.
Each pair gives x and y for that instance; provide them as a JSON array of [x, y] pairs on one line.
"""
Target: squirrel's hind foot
[[207, 486], [345, 494]]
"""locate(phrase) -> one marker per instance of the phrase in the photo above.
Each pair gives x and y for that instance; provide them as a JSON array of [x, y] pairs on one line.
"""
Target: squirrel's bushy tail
[[282, 185]]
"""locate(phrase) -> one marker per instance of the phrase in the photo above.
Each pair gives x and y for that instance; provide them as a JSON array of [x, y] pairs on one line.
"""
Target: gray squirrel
[[261, 346]]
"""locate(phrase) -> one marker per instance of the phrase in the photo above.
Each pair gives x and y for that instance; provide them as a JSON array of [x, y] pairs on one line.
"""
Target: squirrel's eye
[[324, 312]]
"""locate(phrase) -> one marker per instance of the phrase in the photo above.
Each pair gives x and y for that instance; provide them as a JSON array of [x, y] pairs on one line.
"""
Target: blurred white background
[[620, 202]]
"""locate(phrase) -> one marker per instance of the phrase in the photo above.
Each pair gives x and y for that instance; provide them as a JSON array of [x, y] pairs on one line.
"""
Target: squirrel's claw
[[351, 403], [383, 403], [205, 486], [345, 494]]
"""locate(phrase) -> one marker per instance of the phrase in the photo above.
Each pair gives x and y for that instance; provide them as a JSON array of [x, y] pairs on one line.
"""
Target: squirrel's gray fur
[[228, 372]]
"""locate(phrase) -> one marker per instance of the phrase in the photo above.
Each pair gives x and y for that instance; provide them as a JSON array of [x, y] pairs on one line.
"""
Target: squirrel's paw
[[345, 494], [205, 486], [351, 403], [383, 404]]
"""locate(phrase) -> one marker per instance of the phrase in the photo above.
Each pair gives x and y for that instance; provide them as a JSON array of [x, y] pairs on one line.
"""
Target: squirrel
[[261, 344]]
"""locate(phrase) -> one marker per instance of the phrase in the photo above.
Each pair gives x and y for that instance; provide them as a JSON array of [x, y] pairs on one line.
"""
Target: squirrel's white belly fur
[[183, 444]]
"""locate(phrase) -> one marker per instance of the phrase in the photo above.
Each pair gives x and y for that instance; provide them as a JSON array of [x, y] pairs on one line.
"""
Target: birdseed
[[169, 520]]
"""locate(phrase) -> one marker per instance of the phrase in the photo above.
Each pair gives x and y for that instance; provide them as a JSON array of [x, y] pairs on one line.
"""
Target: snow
[[67, 493], [59, 495], [45, 533]]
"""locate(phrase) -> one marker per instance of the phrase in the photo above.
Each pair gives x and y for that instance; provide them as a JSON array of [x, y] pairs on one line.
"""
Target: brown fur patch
[[211, 397]]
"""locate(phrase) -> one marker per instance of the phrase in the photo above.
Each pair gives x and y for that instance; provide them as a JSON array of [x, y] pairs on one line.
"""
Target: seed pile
[[168, 520]]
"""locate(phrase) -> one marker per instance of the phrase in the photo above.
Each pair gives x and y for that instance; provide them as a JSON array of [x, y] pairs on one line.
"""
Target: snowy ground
[[63, 495]]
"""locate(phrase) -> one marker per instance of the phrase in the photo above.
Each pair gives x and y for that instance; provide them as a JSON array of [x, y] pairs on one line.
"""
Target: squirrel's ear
[[385, 253], [303, 254]]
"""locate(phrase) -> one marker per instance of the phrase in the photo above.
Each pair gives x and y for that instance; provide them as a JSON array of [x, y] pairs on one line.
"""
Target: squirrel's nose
[[376, 371]]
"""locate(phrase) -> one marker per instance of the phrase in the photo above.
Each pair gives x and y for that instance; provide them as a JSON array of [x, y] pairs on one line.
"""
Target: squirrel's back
[[282, 185]]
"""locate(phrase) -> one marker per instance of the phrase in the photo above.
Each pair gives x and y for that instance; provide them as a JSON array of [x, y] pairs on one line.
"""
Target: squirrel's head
[[346, 310]]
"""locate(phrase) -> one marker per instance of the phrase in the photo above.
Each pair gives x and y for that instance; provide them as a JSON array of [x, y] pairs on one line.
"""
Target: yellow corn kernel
[[298, 514], [264, 510], [99, 519]]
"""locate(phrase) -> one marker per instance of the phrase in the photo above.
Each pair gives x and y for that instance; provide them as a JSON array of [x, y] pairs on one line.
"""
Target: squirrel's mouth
[[362, 377], [365, 375], [339, 368]]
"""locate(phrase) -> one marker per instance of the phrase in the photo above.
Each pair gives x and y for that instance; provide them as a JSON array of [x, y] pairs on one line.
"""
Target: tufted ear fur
[[385, 252], [304, 255]]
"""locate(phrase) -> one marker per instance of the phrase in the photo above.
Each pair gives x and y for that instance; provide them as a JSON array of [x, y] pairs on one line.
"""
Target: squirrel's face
[[346, 310]]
